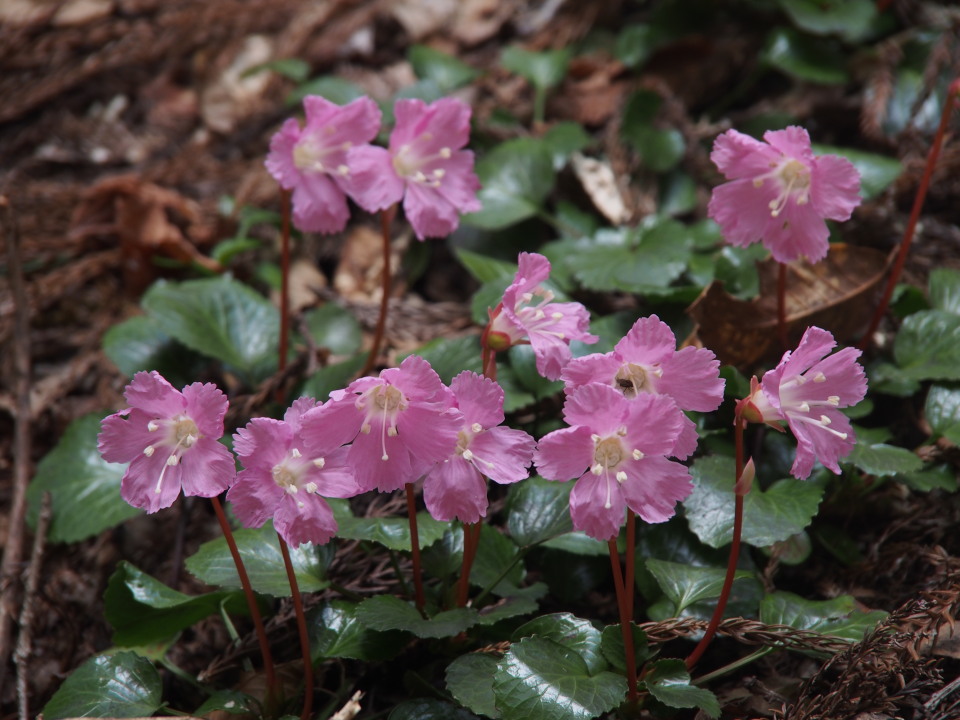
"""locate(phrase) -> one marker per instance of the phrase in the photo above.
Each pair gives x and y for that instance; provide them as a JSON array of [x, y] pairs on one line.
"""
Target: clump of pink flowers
[[528, 314], [807, 390], [455, 487], [330, 158], [780, 193], [170, 438]]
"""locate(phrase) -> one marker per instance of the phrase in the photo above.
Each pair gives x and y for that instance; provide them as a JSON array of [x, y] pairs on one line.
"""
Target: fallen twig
[[25, 637]]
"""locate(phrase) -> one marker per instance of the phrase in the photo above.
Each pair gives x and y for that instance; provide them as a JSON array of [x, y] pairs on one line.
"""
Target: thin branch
[[24, 639]]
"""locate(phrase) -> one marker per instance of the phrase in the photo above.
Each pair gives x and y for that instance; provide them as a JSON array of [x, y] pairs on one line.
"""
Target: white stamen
[[299, 503], [343, 170], [319, 462], [173, 460], [557, 315], [834, 400], [152, 426], [295, 453], [621, 476], [445, 152], [622, 431], [597, 469], [638, 455], [310, 487], [468, 455], [439, 173], [476, 428], [803, 407], [149, 450], [819, 377], [824, 420], [392, 431]]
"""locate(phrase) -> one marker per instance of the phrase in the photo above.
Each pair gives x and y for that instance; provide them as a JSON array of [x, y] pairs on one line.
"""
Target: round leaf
[[570, 631], [538, 510], [806, 58], [335, 631], [121, 685], [470, 681], [517, 177], [386, 612], [669, 682]]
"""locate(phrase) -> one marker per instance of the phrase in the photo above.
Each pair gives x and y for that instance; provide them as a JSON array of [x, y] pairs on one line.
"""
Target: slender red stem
[[471, 542], [251, 602], [415, 546], [630, 568], [302, 628], [911, 228], [626, 627], [731, 562], [386, 218], [782, 305]]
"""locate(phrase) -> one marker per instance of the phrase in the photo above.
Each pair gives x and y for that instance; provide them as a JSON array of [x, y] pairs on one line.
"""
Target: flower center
[[285, 477], [308, 156], [607, 453], [633, 379], [410, 162], [185, 432], [794, 178]]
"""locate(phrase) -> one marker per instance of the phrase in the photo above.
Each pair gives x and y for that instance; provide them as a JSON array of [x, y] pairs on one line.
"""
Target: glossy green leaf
[[386, 612], [784, 509], [611, 645], [944, 284], [260, 552], [838, 617], [563, 140], [506, 608], [523, 362], [543, 69], [84, 488], [429, 709], [221, 318], [539, 679], [517, 176], [451, 356], [538, 510], [660, 149], [877, 172], [678, 194], [108, 686], [495, 554], [850, 19], [685, 584], [138, 344], [336, 632], [446, 71], [566, 629], [142, 610], [231, 701], [936, 477], [806, 58], [669, 682], [470, 681], [578, 543], [877, 458], [485, 269], [792, 551], [391, 532], [334, 328], [332, 377]]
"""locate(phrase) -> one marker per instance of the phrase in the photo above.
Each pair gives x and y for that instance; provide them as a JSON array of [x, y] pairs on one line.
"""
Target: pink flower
[[313, 160], [617, 449], [547, 326], [780, 193], [455, 488], [401, 423], [170, 440], [424, 165], [281, 482], [807, 389], [645, 361]]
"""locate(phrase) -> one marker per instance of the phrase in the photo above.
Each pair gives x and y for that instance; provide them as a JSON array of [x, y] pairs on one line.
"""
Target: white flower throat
[[385, 403], [182, 434]]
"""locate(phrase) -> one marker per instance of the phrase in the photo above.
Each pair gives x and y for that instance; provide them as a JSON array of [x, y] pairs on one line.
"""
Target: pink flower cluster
[[780, 193], [379, 433], [806, 390], [331, 158]]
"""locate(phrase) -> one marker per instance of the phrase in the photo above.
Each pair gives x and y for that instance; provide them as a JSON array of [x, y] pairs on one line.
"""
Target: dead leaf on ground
[[358, 276], [139, 214], [479, 20], [592, 94], [234, 95], [837, 294], [600, 183]]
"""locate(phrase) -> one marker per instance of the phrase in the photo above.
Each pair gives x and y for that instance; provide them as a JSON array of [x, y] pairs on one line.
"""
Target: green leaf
[[543, 69], [143, 611], [470, 681], [539, 679], [636, 43], [538, 510], [881, 459], [936, 477], [578, 543], [486, 269], [563, 140], [386, 612], [334, 328], [611, 645], [451, 356], [429, 709], [669, 682], [120, 685], [806, 58], [784, 509], [293, 68], [850, 19], [495, 554], [877, 172], [572, 632], [685, 584], [139, 344], [336, 90], [336, 632], [678, 194], [332, 377], [446, 71], [837, 617], [260, 552], [221, 318], [506, 608], [232, 701], [84, 488], [516, 178], [944, 285], [659, 149], [391, 532], [523, 362]]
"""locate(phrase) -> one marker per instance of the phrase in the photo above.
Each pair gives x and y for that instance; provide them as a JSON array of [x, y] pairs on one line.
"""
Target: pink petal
[[598, 407], [206, 405], [564, 454], [460, 183], [503, 454], [654, 486], [263, 443], [649, 341], [742, 210], [741, 156], [124, 436], [429, 213], [372, 471], [597, 506], [208, 468], [692, 378], [817, 443], [797, 231], [336, 478], [279, 160], [653, 424], [793, 141], [845, 378], [372, 182], [834, 187], [480, 399], [254, 497], [150, 392], [454, 489], [355, 123], [293, 415], [418, 381], [594, 368], [304, 518], [319, 205], [329, 426], [139, 483], [552, 354], [429, 433]]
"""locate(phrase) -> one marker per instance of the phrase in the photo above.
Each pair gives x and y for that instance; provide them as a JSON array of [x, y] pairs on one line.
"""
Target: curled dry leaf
[[140, 214], [600, 183], [837, 294]]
